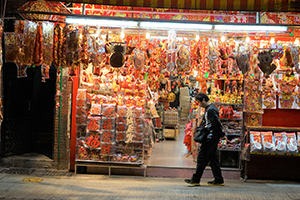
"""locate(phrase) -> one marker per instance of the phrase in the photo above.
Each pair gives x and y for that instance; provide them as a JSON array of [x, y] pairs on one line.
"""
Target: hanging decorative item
[[48, 30], [213, 55], [295, 56], [252, 97], [72, 49], [265, 63], [117, 59], [183, 60], [37, 58], [287, 86], [57, 45], [84, 48], [269, 94], [138, 60], [11, 50], [30, 32]]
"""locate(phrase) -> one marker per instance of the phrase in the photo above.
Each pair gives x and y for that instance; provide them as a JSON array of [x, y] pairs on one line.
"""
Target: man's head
[[202, 99]]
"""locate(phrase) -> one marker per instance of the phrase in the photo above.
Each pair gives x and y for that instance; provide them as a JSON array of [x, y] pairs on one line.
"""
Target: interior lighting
[[148, 35], [167, 25], [223, 38], [122, 34], [251, 28], [272, 40], [102, 22], [197, 37], [296, 42], [247, 39]]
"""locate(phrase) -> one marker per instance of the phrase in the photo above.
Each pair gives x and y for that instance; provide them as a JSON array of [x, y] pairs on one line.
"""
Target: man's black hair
[[200, 96]]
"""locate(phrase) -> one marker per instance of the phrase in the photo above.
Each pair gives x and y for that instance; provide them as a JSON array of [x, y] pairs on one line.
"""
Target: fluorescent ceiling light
[[167, 25], [250, 28], [102, 22]]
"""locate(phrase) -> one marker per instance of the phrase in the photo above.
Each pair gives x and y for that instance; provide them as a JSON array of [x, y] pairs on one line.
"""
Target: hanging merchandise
[[117, 58], [48, 31], [295, 56], [287, 86], [253, 97], [183, 59], [138, 60], [265, 62], [72, 44], [83, 49], [242, 58], [57, 41], [96, 49], [269, 92], [11, 48], [37, 58], [213, 55], [30, 33]]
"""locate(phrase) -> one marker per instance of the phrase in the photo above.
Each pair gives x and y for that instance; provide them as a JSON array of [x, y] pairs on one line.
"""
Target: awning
[[225, 5]]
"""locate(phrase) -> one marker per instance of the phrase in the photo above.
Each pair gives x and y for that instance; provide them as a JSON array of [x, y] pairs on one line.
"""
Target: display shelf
[[229, 149], [276, 154], [231, 119], [229, 104]]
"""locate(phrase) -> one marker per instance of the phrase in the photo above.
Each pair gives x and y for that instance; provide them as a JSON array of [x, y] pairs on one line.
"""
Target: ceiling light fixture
[[102, 22], [178, 26], [251, 28]]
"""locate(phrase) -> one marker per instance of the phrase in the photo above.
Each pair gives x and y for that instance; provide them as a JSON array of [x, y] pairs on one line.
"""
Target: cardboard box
[[185, 99], [171, 133]]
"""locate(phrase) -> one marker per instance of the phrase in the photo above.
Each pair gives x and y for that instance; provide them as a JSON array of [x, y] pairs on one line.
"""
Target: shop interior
[[134, 81]]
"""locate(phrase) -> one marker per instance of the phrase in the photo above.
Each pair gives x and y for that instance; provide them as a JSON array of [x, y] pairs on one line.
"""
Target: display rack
[[229, 156], [159, 130], [286, 158], [171, 124]]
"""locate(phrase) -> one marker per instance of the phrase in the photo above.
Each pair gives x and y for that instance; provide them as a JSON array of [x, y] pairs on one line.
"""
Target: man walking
[[208, 152]]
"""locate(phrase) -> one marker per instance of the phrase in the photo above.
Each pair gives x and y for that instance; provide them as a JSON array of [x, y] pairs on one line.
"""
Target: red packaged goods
[[298, 140], [93, 123], [291, 143], [95, 109], [280, 142], [255, 139], [268, 141]]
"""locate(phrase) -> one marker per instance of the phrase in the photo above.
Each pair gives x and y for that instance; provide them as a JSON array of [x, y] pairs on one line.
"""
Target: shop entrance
[[28, 103]]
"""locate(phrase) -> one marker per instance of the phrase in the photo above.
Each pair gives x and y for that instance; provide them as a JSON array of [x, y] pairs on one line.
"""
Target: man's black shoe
[[191, 182], [216, 183]]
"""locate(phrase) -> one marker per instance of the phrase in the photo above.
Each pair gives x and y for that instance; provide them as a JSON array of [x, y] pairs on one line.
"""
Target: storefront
[[126, 65]]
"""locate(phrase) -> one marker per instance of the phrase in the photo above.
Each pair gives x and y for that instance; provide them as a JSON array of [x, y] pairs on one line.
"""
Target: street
[[46, 184]]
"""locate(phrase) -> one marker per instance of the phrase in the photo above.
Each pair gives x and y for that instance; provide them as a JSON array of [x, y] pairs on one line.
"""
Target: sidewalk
[[51, 184]]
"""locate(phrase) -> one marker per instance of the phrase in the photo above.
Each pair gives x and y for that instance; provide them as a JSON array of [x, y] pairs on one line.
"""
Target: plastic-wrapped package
[[30, 32], [95, 109], [291, 143], [109, 110], [93, 141], [82, 154], [121, 127], [108, 123], [11, 50], [280, 142], [268, 141], [298, 140], [100, 99], [255, 139], [121, 111], [81, 131], [81, 111], [81, 120], [107, 149], [121, 120], [138, 111], [81, 94], [108, 136], [93, 123], [48, 31], [120, 136]]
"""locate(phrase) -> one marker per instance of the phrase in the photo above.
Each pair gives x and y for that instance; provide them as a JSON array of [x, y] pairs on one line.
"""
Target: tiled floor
[[171, 153]]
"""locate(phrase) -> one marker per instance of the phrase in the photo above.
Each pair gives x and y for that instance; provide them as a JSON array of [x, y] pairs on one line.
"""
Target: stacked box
[[171, 117], [184, 100]]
